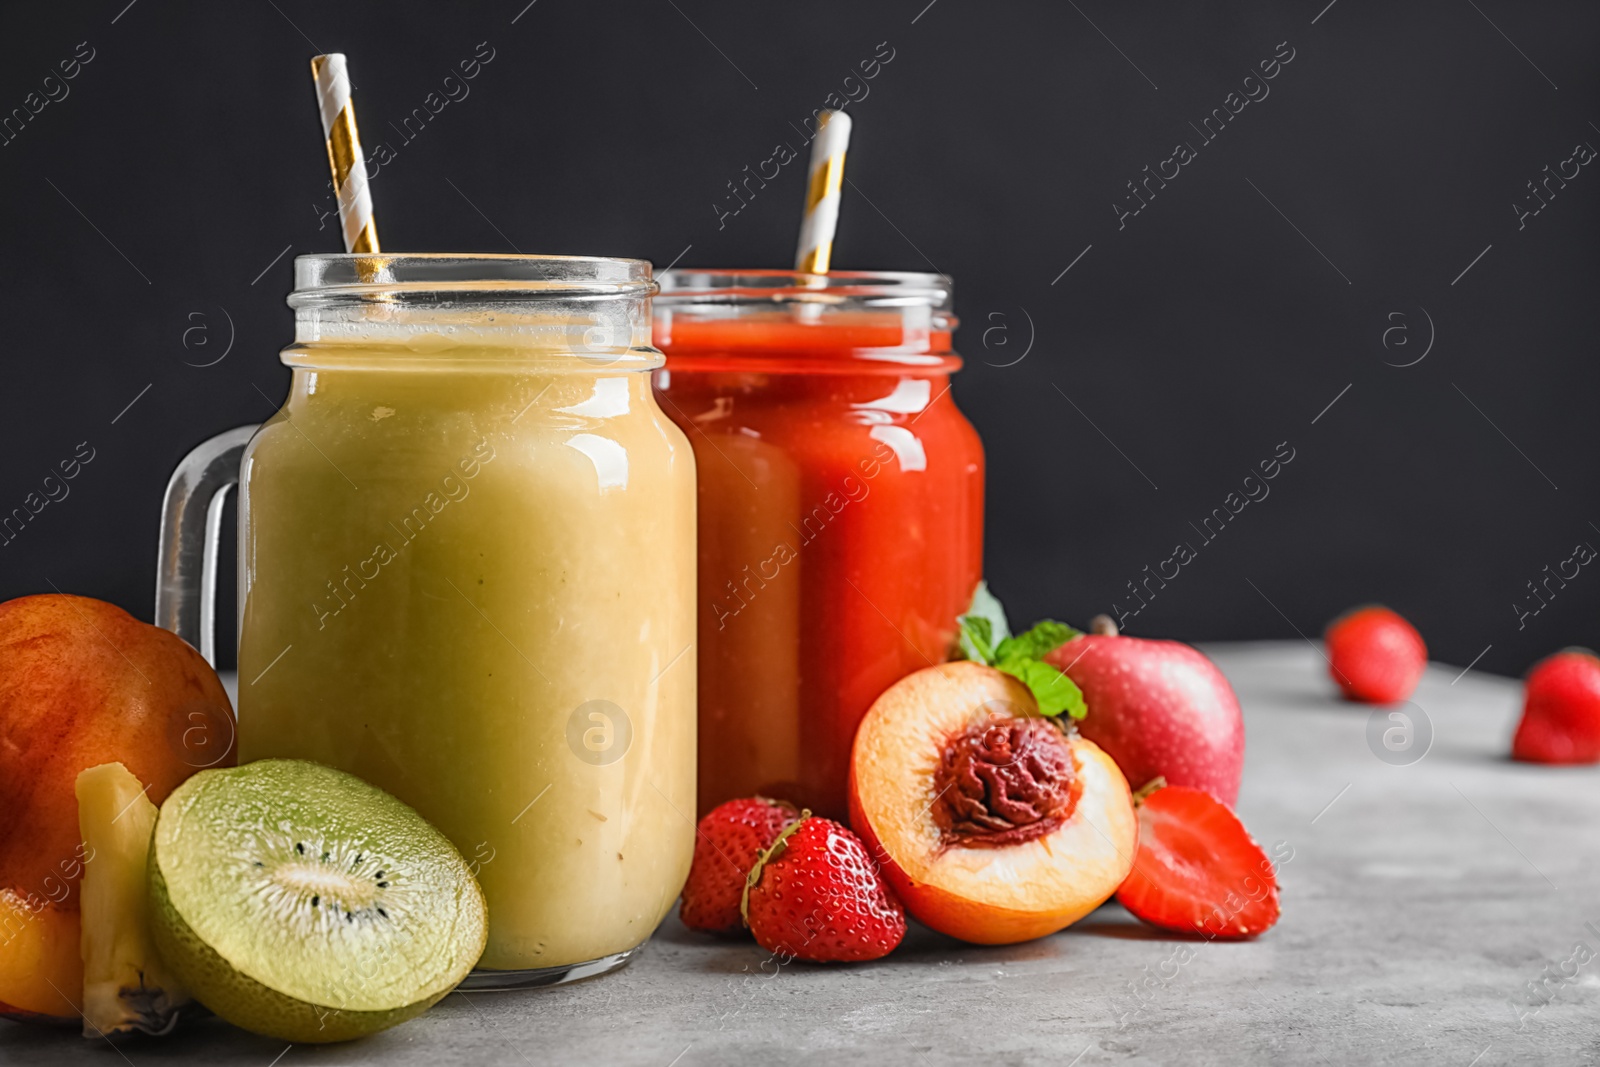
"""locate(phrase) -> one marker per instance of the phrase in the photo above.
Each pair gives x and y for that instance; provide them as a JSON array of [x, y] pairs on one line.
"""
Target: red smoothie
[[840, 510]]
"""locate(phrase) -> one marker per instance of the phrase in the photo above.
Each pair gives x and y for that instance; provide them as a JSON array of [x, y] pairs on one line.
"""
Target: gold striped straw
[[822, 193], [344, 152]]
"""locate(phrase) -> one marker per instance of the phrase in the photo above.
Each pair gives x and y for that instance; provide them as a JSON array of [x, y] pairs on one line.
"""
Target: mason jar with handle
[[467, 576]]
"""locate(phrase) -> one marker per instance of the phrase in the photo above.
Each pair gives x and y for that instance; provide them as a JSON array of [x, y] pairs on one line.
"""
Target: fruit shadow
[[739, 955], [27, 1040], [731, 954], [200, 1037], [1110, 921], [925, 946], [1468, 755], [1126, 929]]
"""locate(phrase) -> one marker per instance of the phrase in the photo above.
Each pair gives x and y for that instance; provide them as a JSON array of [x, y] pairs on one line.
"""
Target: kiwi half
[[302, 903]]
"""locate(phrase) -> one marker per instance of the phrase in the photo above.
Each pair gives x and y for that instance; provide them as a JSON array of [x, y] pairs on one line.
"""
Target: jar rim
[[738, 285], [323, 276]]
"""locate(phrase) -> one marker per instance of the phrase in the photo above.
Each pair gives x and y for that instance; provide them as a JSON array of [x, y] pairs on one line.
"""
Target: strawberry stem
[[772, 852], [1149, 787]]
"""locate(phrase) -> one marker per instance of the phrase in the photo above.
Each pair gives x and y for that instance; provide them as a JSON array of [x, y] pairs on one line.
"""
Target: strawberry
[[817, 895], [1374, 655], [1561, 710], [727, 844], [1197, 869]]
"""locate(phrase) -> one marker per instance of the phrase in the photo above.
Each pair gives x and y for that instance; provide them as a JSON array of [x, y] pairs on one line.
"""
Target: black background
[[1215, 324]]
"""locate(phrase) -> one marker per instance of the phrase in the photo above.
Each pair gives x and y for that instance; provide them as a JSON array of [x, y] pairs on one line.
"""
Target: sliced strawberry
[[1198, 870], [727, 843], [816, 895]]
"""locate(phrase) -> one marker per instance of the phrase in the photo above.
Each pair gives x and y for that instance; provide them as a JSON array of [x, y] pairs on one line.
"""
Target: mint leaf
[[986, 638], [985, 619], [977, 638], [1054, 691], [1043, 639]]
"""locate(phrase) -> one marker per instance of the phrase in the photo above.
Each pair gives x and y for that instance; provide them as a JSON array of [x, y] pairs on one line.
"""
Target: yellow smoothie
[[467, 576]]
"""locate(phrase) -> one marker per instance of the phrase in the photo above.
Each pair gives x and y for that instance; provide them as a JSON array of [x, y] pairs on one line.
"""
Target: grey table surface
[[1420, 902]]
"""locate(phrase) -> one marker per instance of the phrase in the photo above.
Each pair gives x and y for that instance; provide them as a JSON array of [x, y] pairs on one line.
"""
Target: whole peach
[[82, 683]]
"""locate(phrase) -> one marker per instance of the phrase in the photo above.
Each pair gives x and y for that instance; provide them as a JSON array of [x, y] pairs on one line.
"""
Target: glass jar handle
[[191, 530]]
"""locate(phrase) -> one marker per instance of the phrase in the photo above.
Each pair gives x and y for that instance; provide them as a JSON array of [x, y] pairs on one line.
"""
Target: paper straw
[[349, 166], [822, 193]]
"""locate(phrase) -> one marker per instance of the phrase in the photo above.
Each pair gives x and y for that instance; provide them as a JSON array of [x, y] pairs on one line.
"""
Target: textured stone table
[[1419, 903]]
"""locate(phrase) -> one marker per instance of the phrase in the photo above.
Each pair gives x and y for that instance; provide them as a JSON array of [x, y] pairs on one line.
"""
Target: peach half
[[992, 823], [41, 972]]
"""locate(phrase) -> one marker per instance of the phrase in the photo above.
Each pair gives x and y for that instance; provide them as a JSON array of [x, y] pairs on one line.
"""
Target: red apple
[[1160, 709]]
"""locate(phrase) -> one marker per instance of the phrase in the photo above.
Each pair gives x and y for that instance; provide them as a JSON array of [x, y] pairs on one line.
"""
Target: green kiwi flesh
[[299, 902]]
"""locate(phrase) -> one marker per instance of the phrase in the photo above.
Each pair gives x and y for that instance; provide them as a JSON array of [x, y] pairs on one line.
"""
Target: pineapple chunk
[[126, 986]]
